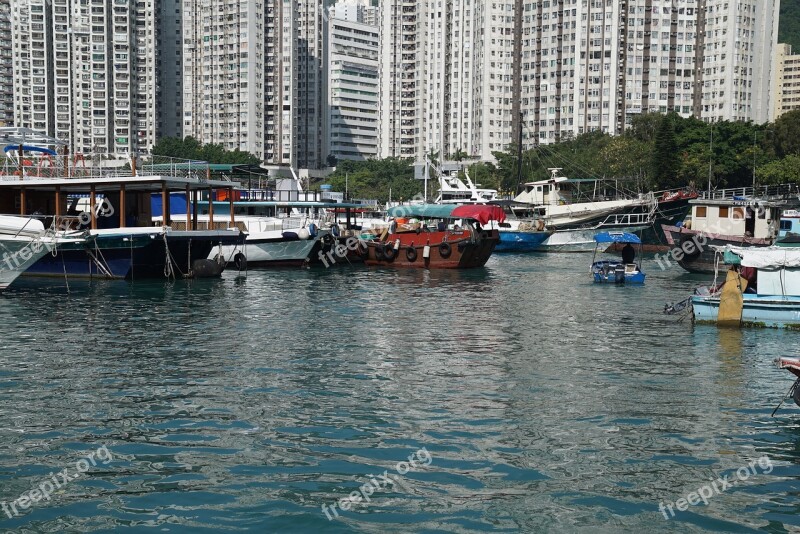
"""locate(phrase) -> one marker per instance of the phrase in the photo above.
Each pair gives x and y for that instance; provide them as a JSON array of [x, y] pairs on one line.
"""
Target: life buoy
[[389, 253], [445, 250], [411, 254]]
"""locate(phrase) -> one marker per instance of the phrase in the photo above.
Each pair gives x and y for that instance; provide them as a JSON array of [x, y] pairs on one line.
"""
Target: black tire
[[240, 261], [389, 253], [687, 238], [411, 254], [445, 250]]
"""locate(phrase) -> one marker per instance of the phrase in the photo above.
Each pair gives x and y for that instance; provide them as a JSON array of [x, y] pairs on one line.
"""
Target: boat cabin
[[746, 218]]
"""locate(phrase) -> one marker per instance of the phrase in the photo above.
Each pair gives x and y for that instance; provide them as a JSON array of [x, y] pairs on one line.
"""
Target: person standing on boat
[[628, 253]]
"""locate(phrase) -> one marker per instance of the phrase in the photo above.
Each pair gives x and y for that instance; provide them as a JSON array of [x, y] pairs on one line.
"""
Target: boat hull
[[448, 250], [268, 252], [16, 256], [140, 254], [520, 241], [767, 311], [694, 248]]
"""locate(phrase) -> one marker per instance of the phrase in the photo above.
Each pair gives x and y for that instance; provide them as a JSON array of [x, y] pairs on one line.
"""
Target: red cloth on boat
[[481, 213]]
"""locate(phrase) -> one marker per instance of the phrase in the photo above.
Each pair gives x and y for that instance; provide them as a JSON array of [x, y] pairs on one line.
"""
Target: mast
[[519, 156], [711, 160]]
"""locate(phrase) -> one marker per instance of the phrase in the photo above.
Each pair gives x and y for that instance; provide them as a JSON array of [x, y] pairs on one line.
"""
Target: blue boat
[[762, 289], [520, 237], [618, 271]]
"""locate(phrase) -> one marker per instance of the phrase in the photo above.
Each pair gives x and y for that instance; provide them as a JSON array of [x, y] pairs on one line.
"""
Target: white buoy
[[303, 234], [426, 252], [397, 244]]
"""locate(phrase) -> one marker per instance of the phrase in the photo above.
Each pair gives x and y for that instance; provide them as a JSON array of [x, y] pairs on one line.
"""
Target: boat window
[[539, 188], [723, 212], [786, 226], [700, 212], [738, 214]]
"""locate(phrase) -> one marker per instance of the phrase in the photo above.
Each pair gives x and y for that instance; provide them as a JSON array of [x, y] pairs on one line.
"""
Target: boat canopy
[[617, 237], [767, 258], [478, 212]]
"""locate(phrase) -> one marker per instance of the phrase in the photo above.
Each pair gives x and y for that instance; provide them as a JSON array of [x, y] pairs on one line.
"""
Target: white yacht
[[454, 190], [23, 242]]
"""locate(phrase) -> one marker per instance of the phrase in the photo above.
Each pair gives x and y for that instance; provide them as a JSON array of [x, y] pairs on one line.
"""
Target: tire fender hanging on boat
[[411, 254], [445, 250]]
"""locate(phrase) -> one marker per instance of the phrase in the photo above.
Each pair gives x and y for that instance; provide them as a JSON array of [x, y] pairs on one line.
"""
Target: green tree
[[665, 160], [783, 171], [191, 148], [787, 133], [373, 179]]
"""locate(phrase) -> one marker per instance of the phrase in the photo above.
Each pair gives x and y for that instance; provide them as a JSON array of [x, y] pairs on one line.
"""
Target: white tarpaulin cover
[[769, 258]]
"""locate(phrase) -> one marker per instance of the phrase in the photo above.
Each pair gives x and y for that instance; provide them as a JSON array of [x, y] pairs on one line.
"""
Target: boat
[[574, 216], [561, 204], [434, 236], [739, 217], [23, 242], [113, 237], [618, 271], [761, 289], [454, 190], [521, 236], [792, 365]]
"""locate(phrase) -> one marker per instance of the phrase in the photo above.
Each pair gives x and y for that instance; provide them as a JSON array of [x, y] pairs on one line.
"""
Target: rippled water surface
[[545, 403]]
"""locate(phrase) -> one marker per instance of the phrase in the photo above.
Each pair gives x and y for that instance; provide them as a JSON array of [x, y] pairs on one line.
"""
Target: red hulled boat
[[436, 237]]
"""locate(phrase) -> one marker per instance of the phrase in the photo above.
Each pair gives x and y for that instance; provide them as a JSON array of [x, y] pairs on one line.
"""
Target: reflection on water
[[545, 401]]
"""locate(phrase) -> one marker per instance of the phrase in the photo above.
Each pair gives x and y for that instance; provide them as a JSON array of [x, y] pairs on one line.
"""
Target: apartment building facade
[[787, 81], [352, 88], [88, 72], [6, 66], [559, 68], [253, 78]]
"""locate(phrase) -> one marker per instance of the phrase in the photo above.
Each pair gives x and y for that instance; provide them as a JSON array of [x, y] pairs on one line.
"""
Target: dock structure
[[41, 184]]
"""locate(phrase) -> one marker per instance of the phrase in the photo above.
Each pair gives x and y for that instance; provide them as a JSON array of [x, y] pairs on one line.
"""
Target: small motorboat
[[618, 271]]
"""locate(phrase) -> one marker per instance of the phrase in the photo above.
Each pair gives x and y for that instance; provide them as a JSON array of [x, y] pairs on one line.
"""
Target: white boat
[[454, 190], [762, 289], [557, 202], [23, 242]]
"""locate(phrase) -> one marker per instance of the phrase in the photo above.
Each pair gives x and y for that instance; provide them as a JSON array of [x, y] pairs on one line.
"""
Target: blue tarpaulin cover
[[617, 237]]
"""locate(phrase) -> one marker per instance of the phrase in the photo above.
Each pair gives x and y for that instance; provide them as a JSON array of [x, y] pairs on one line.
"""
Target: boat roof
[[617, 237], [287, 204], [768, 258], [131, 183], [483, 213], [737, 201]]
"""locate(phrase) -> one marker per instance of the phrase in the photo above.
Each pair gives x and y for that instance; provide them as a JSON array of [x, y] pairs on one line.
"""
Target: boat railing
[[764, 192], [83, 166]]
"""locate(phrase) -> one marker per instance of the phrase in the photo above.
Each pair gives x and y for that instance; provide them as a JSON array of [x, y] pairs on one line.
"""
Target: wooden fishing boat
[[435, 236]]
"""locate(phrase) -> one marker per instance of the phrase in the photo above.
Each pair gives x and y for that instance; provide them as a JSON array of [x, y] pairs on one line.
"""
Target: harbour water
[[543, 403]]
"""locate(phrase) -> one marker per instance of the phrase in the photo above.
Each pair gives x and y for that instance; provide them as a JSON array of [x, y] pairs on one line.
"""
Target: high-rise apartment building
[[466, 76], [787, 81], [352, 88], [6, 66], [88, 72], [355, 11], [253, 78]]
